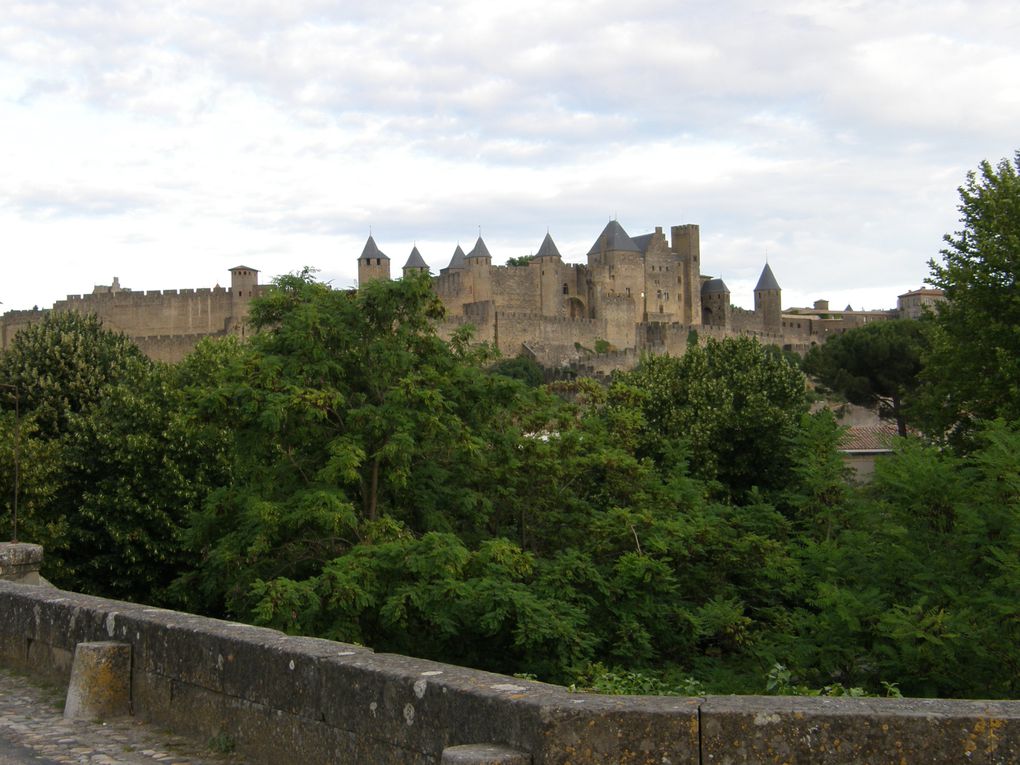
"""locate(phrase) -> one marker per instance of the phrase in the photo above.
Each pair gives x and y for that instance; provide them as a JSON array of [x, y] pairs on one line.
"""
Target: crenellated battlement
[[165, 324], [639, 294], [511, 316]]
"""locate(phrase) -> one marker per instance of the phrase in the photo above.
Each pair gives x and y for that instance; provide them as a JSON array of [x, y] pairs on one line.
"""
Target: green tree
[[122, 466], [973, 367], [348, 414], [877, 364], [63, 365], [734, 402], [521, 368]]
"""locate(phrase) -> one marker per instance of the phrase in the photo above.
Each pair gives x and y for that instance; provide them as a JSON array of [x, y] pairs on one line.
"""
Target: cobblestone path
[[32, 724]]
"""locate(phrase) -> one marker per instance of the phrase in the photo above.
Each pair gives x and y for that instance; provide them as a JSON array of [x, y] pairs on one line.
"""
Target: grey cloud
[[843, 150]]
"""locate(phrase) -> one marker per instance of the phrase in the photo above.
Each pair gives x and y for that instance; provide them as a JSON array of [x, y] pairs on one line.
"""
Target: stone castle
[[634, 295]]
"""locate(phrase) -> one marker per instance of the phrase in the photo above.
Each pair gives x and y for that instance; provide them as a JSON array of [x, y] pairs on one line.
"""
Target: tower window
[[565, 290]]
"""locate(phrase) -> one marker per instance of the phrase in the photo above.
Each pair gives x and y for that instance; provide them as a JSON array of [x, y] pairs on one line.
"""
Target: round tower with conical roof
[[552, 291], [768, 301], [616, 265], [479, 265], [415, 264], [373, 263]]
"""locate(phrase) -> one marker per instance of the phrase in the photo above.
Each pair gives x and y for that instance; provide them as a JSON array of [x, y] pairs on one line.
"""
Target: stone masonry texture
[[288, 699]]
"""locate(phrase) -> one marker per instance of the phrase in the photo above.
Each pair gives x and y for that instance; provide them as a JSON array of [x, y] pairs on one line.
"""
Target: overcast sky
[[164, 142]]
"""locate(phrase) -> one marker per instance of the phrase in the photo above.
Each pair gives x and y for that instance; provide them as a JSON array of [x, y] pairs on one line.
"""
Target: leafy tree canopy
[[877, 364], [123, 466], [734, 402], [973, 367]]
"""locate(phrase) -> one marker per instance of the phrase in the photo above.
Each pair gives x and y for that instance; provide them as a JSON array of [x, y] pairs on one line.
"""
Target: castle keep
[[633, 295]]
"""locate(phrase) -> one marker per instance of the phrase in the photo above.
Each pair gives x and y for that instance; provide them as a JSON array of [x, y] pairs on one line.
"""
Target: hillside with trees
[[687, 527]]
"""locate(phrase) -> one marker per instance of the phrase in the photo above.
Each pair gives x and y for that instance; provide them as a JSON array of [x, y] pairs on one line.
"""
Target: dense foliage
[[109, 464], [687, 527], [973, 369], [877, 364]]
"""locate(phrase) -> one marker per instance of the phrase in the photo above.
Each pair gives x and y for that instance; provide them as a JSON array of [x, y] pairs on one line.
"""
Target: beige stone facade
[[918, 303], [633, 295], [165, 324]]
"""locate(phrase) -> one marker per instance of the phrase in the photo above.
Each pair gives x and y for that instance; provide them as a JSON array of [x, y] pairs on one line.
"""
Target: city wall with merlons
[[292, 699]]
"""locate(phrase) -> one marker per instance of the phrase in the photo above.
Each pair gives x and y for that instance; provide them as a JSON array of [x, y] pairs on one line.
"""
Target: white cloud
[[166, 142]]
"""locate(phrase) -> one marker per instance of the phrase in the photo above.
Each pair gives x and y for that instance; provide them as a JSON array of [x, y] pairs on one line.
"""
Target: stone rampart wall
[[289, 699], [170, 348], [516, 329], [604, 364], [618, 312], [165, 324], [743, 320], [157, 312], [516, 288]]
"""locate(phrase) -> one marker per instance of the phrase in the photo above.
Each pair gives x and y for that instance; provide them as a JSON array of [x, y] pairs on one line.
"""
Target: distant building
[[862, 445], [633, 295], [917, 303]]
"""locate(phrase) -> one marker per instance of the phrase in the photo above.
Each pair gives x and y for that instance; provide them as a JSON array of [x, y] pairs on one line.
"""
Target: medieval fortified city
[[634, 295]]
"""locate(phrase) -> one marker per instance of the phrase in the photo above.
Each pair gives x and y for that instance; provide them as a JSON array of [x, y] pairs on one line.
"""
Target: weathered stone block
[[737, 730], [100, 685], [20, 562], [484, 754]]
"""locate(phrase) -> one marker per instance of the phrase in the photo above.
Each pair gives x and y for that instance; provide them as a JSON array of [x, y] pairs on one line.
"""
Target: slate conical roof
[[371, 251], [714, 287], [416, 260], [457, 261], [767, 280], [615, 238], [547, 249], [480, 250]]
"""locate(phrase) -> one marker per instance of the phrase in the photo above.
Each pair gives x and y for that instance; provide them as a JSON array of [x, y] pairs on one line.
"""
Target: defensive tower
[[715, 303], [415, 263], [373, 263], [768, 301]]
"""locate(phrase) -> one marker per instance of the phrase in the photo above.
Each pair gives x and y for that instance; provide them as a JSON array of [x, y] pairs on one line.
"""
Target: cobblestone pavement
[[32, 726]]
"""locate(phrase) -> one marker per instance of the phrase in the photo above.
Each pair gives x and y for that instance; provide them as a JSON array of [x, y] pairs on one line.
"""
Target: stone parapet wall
[[289, 699], [517, 288], [514, 330], [20, 562], [157, 312], [171, 348]]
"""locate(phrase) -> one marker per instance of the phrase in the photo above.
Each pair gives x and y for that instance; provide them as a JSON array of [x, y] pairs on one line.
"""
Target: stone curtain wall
[[165, 324], [517, 288], [157, 312], [287, 699], [170, 348]]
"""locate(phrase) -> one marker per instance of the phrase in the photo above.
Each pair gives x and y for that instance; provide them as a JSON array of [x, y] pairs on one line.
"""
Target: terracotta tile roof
[[868, 438]]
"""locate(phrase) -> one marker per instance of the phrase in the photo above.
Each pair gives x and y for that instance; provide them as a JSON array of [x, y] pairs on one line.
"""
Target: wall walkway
[[289, 699]]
